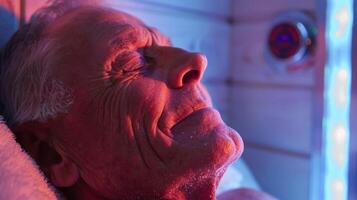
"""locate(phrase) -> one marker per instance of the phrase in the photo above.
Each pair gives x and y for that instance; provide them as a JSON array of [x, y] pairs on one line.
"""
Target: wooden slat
[[220, 8], [274, 117], [283, 176], [219, 95], [261, 9], [206, 8]]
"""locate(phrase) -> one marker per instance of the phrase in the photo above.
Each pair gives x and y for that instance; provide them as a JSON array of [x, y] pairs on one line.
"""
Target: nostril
[[191, 76]]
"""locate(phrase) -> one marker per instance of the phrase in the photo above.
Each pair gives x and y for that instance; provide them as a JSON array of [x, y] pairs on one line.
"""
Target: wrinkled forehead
[[98, 26]]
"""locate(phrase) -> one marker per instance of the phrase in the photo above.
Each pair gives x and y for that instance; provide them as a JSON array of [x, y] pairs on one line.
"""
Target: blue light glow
[[337, 98]]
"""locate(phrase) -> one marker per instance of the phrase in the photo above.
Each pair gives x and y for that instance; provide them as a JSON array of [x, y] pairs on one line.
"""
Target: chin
[[229, 145], [209, 146], [204, 128]]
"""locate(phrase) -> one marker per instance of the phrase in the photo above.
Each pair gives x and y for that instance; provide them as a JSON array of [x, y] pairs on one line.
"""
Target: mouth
[[201, 121], [205, 128], [182, 118]]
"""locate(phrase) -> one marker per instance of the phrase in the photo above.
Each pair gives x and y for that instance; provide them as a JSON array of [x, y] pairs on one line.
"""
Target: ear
[[36, 138]]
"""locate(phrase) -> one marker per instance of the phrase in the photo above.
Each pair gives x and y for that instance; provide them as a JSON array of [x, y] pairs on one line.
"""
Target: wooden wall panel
[[273, 111], [274, 117], [283, 176], [263, 10], [209, 7], [220, 97], [250, 58]]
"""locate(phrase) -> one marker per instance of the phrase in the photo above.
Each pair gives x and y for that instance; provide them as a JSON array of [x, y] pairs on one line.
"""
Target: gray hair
[[28, 90]]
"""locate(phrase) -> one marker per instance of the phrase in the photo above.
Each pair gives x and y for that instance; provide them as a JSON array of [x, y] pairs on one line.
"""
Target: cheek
[[90, 130], [146, 98], [96, 151]]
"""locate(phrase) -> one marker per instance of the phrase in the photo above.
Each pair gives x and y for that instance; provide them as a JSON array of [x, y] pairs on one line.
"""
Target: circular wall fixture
[[290, 41]]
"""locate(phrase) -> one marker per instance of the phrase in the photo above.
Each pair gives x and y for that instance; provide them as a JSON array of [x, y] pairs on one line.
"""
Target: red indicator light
[[285, 40]]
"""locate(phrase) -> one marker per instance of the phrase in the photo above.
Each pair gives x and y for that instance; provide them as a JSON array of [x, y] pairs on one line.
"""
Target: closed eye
[[149, 60], [128, 61]]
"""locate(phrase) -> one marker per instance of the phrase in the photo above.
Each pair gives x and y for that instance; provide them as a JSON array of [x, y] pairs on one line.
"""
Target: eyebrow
[[158, 37], [128, 35]]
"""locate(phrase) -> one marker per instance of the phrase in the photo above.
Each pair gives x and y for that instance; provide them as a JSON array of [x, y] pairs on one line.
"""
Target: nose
[[189, 69], [178, 66]]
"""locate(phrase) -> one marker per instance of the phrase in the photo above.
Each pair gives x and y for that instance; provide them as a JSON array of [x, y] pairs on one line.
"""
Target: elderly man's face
[[141, 125]]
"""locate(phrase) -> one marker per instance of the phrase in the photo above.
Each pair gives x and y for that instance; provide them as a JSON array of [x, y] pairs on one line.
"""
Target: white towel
[[20, 177]]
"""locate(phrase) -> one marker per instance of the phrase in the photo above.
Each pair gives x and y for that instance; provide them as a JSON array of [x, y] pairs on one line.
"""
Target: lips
[[197, 123], [203, 131]]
